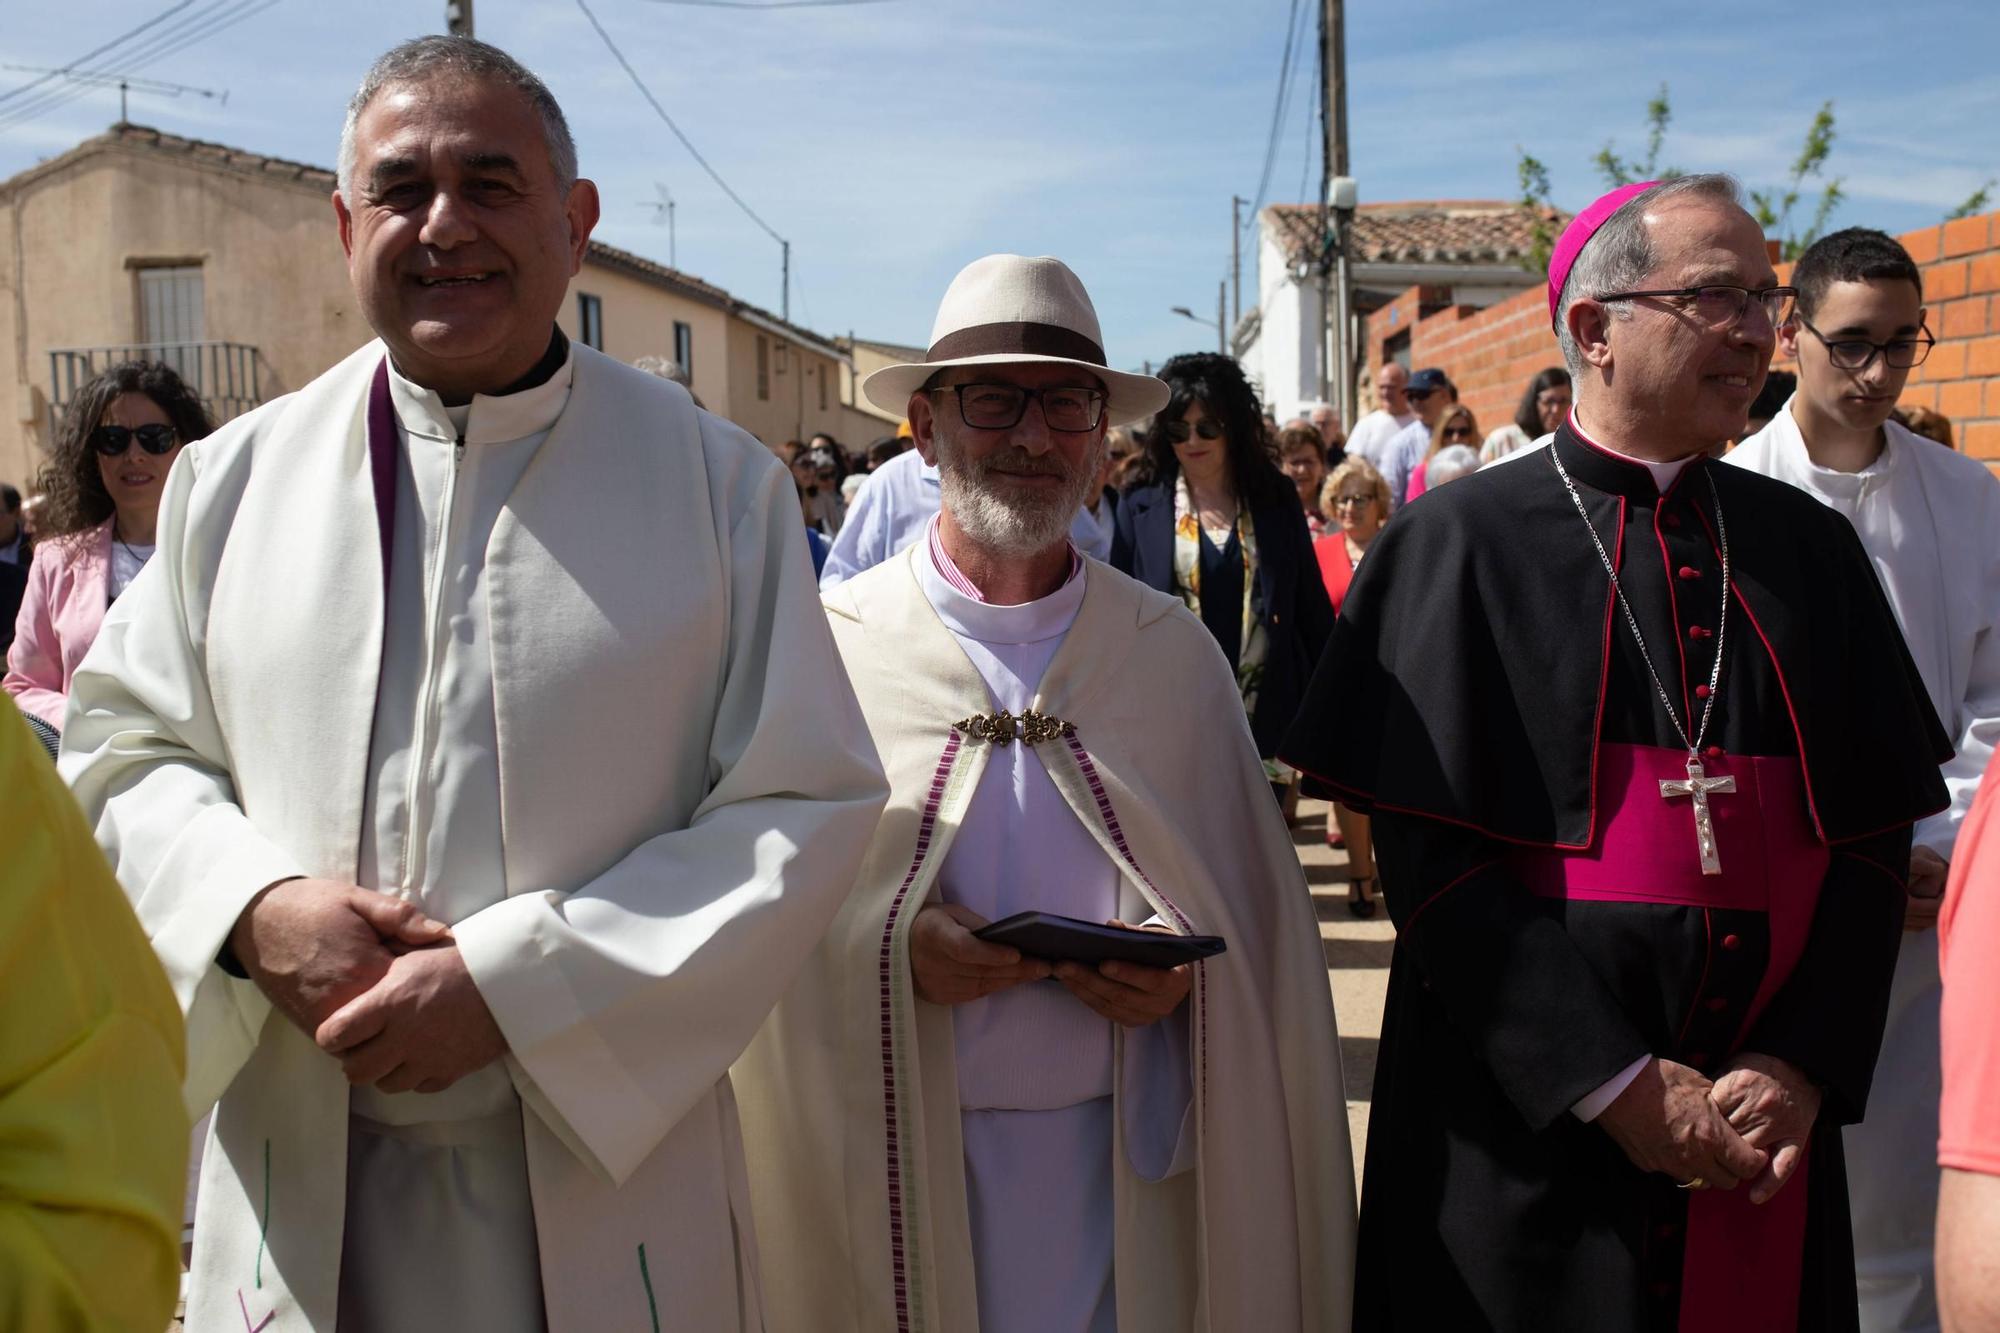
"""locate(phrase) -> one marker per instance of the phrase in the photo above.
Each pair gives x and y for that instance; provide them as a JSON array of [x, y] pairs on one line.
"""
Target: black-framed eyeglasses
[[1859, 353], [1180, 431], [1720, 305], [1001, 406], [1418, 395], [1342, 501], [111, 441]]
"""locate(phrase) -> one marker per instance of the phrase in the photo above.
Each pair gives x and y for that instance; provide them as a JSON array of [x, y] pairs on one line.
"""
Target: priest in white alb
[[1929, 519], [947, 1133], [479, 764]]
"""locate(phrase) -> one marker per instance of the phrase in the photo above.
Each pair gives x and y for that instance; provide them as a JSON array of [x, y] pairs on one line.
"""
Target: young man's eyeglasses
[[1859, 353], [1418, 395], [1179, 431], [1001, 406], [1718, 305], [111, 441]]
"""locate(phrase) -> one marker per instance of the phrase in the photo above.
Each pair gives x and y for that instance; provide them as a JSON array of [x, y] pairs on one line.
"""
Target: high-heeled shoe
[[1359, 904]]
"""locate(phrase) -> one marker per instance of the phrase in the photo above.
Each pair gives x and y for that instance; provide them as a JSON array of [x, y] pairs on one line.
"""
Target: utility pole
[[458, 18], [787, 308], [1336, 357], [1236, 202]]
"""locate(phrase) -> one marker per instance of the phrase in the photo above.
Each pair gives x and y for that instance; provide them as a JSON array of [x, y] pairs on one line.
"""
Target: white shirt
[[127, 559], [1373, 432], [892, 508], [1929, 518], [1035, 1065], [1399, 458], [432, 833]]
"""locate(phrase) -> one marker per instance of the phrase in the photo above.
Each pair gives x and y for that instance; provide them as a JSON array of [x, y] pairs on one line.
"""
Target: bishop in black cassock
[[1627, 851]]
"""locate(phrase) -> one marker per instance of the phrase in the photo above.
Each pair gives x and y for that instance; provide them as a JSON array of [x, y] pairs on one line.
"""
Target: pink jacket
[[69, 587]]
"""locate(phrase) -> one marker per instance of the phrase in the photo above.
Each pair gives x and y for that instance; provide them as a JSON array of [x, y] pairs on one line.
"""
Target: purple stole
[[382, 466], [1743, 1262]]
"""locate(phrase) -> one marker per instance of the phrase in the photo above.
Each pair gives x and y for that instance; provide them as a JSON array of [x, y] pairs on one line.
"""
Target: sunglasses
[[1458, 432], [1418, 395], [111, 441], [1342, 501], [1178, 431]]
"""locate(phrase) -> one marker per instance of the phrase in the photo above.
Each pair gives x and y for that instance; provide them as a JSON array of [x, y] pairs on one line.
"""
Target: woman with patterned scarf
[[1209, 518]]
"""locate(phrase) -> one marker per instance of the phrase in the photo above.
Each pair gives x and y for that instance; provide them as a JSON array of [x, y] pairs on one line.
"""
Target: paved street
[[1357, 963]]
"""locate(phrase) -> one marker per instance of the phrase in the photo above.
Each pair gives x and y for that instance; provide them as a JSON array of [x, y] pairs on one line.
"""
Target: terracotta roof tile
[[1435, 231]]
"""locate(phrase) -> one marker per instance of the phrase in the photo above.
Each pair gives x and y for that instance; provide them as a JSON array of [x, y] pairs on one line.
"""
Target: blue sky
[[893, 142]]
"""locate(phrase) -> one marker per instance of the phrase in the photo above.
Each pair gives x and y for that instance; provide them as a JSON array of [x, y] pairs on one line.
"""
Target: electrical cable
[[25, 88], [206, 22], [1285, 65]]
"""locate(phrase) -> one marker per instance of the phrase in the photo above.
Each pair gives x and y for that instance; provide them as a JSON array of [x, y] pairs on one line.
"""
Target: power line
[[212, 18], [1314, 110], [99, 61], [1285, 65], [688, 144], [25, 88]]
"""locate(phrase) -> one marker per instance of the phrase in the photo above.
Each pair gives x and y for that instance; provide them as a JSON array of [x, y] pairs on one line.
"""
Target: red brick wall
[[1491, 354]]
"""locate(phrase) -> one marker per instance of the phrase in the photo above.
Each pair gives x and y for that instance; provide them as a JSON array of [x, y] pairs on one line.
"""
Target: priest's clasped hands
[[951, 965], [371, 980], [1750, 1125]]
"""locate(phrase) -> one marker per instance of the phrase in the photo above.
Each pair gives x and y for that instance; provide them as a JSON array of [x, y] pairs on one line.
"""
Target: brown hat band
[[1028, 339]]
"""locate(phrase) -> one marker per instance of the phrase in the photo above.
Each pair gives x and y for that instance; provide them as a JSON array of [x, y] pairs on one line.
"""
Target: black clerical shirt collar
[[1600, 469], [538, 374]]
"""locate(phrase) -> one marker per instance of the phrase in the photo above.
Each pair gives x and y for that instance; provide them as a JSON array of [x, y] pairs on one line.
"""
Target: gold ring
[[1695, 1184]]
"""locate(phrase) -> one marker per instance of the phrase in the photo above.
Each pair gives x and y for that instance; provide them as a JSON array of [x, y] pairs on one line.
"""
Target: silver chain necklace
[[1698, 785]]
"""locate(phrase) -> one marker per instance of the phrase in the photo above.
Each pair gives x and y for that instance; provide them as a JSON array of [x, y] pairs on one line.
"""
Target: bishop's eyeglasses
[[1859, 353], [1001, 406], [1719, 305]]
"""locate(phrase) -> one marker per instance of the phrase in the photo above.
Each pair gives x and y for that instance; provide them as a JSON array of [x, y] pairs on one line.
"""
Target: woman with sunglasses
[[1210, 520], [121, 434], [1456, 426]]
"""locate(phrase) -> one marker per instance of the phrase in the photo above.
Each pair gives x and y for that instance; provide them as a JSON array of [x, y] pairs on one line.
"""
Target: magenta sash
[[1743, 1262]]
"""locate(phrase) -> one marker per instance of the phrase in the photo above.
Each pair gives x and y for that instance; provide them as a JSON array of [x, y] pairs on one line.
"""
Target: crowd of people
[[688, 888]]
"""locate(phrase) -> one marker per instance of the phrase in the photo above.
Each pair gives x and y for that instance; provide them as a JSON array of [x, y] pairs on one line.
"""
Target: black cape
[[1477, 670]]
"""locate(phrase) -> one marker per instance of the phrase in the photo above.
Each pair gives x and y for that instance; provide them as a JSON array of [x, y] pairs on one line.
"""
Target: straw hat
[[1007, 309]]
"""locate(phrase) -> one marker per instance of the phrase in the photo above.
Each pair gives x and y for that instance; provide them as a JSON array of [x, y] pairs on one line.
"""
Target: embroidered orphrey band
[[1003, 727]]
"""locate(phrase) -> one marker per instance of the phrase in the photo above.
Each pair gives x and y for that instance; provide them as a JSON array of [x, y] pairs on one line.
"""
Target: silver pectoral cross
[[1698, 786]]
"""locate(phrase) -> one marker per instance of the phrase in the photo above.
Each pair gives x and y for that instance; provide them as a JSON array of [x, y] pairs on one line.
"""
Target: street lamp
[[1221, 330]]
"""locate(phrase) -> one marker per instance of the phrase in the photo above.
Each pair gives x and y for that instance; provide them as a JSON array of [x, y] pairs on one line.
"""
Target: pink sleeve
[[1969, 958], [34, 663], [1416, 481]]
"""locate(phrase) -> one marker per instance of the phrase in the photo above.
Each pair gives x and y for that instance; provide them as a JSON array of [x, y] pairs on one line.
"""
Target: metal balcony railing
[[225, 374]]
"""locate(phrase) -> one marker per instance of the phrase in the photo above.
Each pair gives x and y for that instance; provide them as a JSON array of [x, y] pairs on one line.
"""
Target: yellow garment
[[93, 1138]]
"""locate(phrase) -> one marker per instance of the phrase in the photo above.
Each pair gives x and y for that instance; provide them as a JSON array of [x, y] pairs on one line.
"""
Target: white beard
[[1009, 525]]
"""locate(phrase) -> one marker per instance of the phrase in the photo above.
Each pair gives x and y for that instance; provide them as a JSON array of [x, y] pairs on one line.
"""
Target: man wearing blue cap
[[1430, 394]]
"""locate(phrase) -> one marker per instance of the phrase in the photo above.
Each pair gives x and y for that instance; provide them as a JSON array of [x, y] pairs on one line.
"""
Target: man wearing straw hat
[[1643, 746], [947, 1132]]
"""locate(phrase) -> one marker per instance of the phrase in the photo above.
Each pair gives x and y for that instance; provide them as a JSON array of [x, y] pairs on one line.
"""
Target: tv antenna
[[124, 83], [663, 211]]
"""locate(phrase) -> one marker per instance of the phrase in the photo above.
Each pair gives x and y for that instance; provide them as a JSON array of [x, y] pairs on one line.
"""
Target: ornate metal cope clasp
[[1003, 727], [1699, 786]]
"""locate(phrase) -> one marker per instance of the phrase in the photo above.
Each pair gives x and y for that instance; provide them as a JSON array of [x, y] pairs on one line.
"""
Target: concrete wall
[[639, 319], [74, 235], [273, 274], [795, 374]]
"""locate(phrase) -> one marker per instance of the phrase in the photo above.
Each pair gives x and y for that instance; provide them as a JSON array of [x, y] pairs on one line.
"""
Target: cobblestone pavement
[[1357, 964]]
